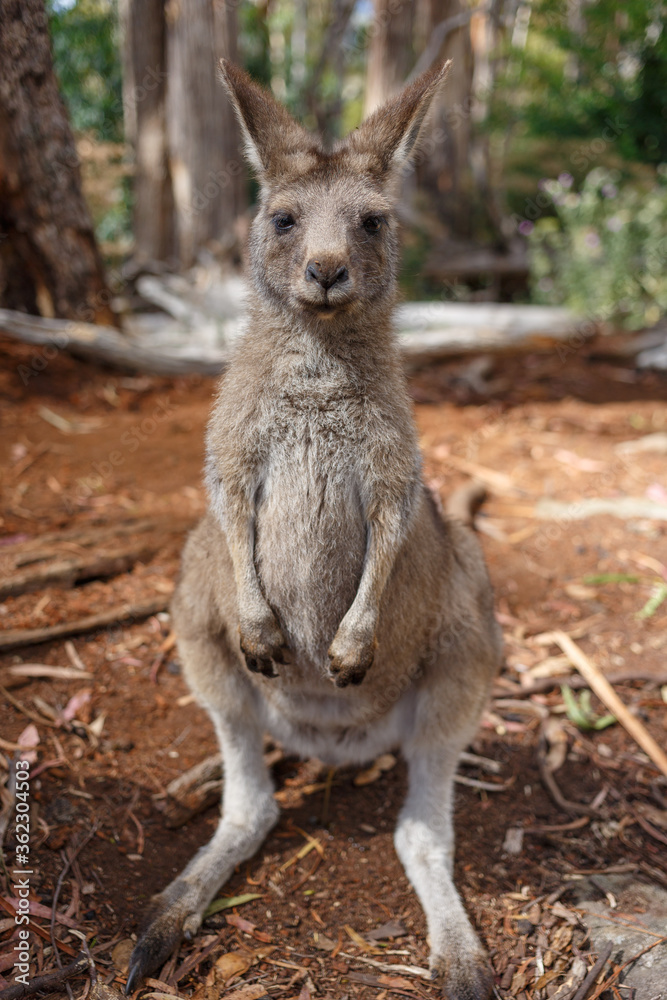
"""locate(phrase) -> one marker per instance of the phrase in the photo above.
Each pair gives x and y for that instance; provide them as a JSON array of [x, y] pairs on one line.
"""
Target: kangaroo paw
[[170, 917], [263, 645], [463, 976], [350, 660]]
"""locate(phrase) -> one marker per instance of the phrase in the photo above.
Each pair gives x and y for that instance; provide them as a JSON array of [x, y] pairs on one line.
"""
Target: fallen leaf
[[359, 941], [29, 738], [229, 901], [251, 991], [232, 963], [243, 925], [323, 942], [120, 955], [397, 983], [75, 704], [392, 929]]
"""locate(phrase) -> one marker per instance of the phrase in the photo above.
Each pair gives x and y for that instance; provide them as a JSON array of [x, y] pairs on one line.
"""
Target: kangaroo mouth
[[325, 308]]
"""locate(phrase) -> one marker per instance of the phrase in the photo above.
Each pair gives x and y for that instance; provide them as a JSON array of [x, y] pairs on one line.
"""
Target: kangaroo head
[[324, 242]]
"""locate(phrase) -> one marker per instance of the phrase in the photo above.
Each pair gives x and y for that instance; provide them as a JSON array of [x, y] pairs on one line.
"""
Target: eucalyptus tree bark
[[49, 262], [189, 181], [207, 171], [390, 51], [144, 99], [445, 172]]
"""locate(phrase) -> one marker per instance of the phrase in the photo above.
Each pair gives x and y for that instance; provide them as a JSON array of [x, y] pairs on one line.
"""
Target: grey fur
[[323, 598]]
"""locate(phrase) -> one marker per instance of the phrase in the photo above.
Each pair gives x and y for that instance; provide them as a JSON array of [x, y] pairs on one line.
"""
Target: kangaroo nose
[[324, 274]]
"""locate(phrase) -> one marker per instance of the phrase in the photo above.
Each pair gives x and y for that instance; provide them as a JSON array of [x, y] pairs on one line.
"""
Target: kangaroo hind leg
[[249, 809]]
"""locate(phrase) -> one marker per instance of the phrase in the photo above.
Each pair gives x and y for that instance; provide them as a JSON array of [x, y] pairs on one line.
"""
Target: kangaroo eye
[[372, 224], [283, 223]]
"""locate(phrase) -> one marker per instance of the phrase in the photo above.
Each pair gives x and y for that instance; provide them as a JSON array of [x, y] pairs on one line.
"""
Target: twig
[[603, 958], [407, 970], [616, 973], [29, 714], [48, 982], [485, 786], [546, 774], [126, 612], [605, 692], [68, 863], [544, 684]]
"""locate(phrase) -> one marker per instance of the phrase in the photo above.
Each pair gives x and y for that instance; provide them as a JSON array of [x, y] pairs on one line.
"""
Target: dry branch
[[104, 344], [126, 612], [67, 572], [194, 791], [605, 692], [49, 982]]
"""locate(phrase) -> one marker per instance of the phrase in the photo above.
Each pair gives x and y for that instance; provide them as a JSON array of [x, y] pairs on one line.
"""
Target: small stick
[[406, 970], [605, 692], [551, 785], [126, 612], [48, 982], [616, 973], [545, 684], [603, 958], [68, 864]]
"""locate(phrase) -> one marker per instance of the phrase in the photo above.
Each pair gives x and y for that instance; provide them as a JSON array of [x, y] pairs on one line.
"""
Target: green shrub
[[604, 254]]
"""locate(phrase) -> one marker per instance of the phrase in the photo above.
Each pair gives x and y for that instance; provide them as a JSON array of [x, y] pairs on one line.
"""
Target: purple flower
[[526, 227], [592, 239], [609, 190], [566, 180]]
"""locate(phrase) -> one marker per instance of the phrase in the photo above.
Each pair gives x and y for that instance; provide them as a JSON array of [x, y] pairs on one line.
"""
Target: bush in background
[[604, 252]]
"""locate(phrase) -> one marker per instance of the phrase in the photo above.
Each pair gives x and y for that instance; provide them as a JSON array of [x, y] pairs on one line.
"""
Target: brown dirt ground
[[130, 448]]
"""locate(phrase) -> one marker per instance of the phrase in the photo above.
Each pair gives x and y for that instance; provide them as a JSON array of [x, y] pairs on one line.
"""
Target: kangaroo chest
[[310, 529]]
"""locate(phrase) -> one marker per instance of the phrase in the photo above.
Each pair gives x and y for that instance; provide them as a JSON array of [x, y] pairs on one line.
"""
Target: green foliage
[[86, 54], [584, 66], [579, 710], [604, 253]]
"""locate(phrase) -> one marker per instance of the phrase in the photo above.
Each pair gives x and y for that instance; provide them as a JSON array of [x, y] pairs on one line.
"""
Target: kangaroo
[[323, 598]]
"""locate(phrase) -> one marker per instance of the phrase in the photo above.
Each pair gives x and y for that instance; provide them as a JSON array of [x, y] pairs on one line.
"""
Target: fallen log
[[77, 569], [125, 613], [427, 332], [104, 344], [85, 535]]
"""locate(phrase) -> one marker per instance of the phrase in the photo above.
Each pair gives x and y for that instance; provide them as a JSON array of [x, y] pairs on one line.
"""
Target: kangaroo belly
[[310, 541]]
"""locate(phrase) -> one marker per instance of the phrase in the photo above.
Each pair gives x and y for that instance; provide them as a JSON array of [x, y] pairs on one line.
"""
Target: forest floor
[[97, 463]]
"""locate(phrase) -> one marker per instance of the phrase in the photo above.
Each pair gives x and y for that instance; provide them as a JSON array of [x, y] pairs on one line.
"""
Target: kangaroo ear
[[274, 142], [390, 135]]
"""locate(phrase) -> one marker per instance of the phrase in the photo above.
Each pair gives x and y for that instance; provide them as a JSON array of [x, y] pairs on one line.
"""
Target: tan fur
[[322, 597]]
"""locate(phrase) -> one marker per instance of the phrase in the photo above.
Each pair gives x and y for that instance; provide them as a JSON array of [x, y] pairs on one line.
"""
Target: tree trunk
[[445, 172], [207, 171], [49, 262], [390, 51], [144, 96]]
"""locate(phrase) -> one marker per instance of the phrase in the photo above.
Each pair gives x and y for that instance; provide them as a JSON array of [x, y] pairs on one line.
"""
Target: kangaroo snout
[[326, 273]]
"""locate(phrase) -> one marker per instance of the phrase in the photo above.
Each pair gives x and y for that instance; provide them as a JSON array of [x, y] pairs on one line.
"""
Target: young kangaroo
[[322, 598]]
